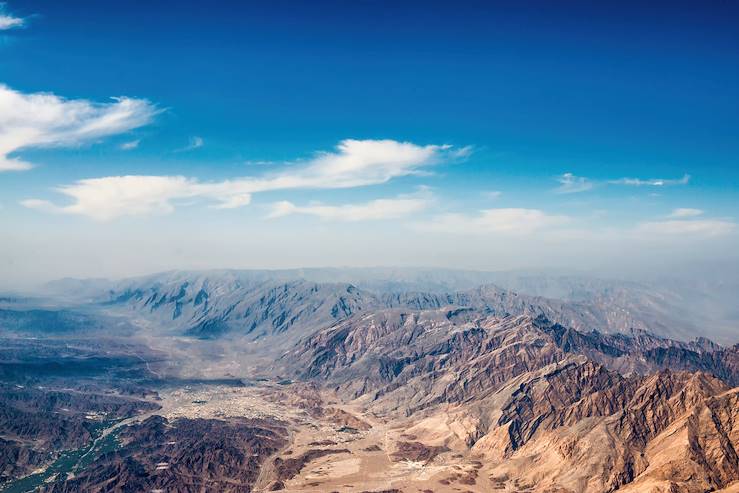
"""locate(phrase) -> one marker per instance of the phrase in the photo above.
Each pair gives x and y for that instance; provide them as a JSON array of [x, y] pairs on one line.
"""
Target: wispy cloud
[[195, 143], [394, 208], [514, 221], [688, 228], [129, 146], [569, 183], [688, 223], [685, 212], [652, 182], [260, 162], [492, 194], [353, 163], [9, 21], [45, 120]]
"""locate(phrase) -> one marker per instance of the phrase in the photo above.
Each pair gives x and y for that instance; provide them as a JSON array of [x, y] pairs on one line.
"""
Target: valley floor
[[337, 447], [334, 446], [296, 437]]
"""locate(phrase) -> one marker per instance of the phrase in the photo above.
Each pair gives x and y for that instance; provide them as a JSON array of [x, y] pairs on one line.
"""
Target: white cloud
[[195, 143], [685, 212], [45, 120], [492, 194], [689, 228], [504, 221], [233, 201], [260, 162], [652, 182], [9, 21], [106, 198], [569, 183], [128, 146], [373, 210], [354, 163]]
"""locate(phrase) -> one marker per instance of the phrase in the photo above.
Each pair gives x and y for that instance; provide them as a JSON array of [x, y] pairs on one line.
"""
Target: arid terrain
[[331, 390], [369, 246]]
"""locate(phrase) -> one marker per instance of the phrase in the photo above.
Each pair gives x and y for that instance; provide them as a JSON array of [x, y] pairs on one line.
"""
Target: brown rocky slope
[[546, 408]]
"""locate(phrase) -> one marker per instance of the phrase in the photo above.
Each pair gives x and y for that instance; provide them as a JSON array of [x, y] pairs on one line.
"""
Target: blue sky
[[482, 135]]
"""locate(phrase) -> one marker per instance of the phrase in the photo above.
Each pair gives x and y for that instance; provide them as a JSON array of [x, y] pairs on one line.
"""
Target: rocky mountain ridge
[[277, 313], [476, 389], [379, 352], [538, 400], [671, 307]]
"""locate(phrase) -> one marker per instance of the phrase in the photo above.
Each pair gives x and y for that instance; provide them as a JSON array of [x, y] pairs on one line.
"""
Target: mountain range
[[400, 381], [258, 304]]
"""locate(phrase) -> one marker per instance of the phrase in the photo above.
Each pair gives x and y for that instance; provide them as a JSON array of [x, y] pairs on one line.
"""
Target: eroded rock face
[[283, 307], [36, 424], [212, 306], [417, 359], [442, 391], [18, 459], [671, 430], [183, 455], [555, 409]]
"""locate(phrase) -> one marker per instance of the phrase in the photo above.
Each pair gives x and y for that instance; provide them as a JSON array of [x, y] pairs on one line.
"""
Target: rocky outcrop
[[671, 431], [421, 358], [552, 408], [17, 459], [36, 424], [283, 307], [288, 468], [206, 307], [183, 455]]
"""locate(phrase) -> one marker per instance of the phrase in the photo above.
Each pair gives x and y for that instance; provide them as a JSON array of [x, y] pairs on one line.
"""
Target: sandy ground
[[371, 463]]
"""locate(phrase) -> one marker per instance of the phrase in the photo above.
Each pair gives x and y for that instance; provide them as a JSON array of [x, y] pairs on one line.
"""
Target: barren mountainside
[[539, 401], [251, 304], [369, 351], [242, 382]]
